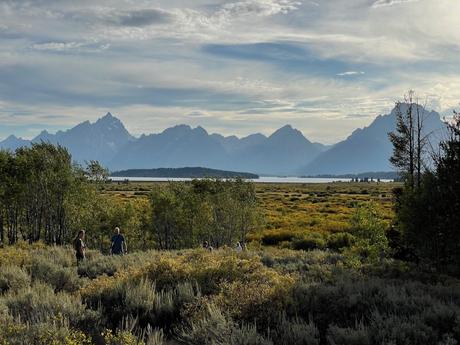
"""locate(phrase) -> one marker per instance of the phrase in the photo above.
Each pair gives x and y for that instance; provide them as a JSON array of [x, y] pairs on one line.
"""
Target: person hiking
[[207, 246], [118, 246], [238, 247], [80, 246]]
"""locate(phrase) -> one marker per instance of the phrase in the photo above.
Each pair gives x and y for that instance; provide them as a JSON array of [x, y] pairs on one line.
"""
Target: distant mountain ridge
[[286, 152], [369, 148]]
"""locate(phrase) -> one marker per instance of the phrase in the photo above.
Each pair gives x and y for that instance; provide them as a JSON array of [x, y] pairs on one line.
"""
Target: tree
[[186, 214], [409, 140], [445, 199], [96, 173], [427, 211]]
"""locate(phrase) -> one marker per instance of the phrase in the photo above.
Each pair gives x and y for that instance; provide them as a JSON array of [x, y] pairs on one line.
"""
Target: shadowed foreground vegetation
[[269, 296]]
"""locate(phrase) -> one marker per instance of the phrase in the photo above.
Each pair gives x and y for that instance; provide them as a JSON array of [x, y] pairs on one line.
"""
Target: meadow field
[[289, 211], [310, 275]]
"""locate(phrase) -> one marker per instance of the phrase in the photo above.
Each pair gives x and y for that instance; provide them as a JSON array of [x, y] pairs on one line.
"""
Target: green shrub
[[369, 229], [13, 278], [13, 332], [340, 240], [273, 237], [399, 329], [141, 300], [349, 336], [310, 241], [120, 338], [209, 327], [61, 278], [108, 265], [295, 332], [40, 303], [248, 335]]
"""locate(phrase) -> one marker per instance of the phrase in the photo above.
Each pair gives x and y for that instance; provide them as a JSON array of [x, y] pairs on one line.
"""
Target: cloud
[[385, 3], [137, 18], [348, 73], [230, 66], [257, 7], [57, 46], [68, 47]]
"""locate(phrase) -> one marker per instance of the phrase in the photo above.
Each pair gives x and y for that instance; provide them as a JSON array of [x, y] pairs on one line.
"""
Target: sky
[[326, 67]]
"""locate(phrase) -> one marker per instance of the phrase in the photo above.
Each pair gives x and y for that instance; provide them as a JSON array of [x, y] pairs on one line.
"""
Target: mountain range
[[285, 152]]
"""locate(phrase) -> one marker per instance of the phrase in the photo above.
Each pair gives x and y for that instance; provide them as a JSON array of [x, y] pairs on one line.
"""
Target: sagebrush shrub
[[248, 335], [13, 278], [209, 327], [294, 332], [309, 241], [13, 332], [340, 240], [40, 303], [59, 277], [349, 336]]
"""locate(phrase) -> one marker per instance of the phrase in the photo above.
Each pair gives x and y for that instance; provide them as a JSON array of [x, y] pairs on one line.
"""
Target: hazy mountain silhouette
[[175, 147], [91, 141], [369, 149], [12, 143], [282, 153], [285, 152]]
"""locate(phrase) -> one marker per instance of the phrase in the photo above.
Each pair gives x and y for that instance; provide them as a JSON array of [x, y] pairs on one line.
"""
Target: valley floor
[[269, 294]]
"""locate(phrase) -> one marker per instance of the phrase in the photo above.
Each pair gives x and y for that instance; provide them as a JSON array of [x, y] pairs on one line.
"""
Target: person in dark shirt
[[118, 246], [79, 246]]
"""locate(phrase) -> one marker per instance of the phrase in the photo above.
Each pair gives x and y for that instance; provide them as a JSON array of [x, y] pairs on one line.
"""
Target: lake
[[262, 179]]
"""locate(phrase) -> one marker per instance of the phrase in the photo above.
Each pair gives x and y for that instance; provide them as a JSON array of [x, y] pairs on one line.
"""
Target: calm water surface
[[262, 179]]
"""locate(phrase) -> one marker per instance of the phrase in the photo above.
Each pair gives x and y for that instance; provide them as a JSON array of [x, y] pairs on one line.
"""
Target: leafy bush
[[120, 338], [13, 332], [13, 278], [209, 326], [61, 278], [248, 335], [340, 240], [370, 231], [273, 237], [40, 303], [295, 332], [310, 241], [348, 336]]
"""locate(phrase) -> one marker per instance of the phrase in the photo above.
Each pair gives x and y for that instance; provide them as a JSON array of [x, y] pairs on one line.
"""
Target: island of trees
[[187, 172]]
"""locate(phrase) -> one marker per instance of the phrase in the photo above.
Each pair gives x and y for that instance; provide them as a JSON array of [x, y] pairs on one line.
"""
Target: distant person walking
[[207, 246], [80, 246], [239, 247], [118, 246]]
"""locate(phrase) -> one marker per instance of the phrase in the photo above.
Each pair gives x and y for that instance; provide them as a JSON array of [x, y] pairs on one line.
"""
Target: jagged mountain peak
[[11, 137], [108, 119], [369, 148], [286, 131]]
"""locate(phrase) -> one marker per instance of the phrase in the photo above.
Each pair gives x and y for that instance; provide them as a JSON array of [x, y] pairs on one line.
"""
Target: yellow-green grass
[[293, 210]]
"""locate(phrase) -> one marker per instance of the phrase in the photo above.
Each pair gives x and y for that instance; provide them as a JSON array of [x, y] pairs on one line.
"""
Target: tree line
[[44, 196], [220, 212], [428, 205]]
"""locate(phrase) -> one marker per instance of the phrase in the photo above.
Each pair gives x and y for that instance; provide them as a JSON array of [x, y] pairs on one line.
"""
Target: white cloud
[[385, 3], [144, 46], [57, 46], [344, 74], [257, 7]]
